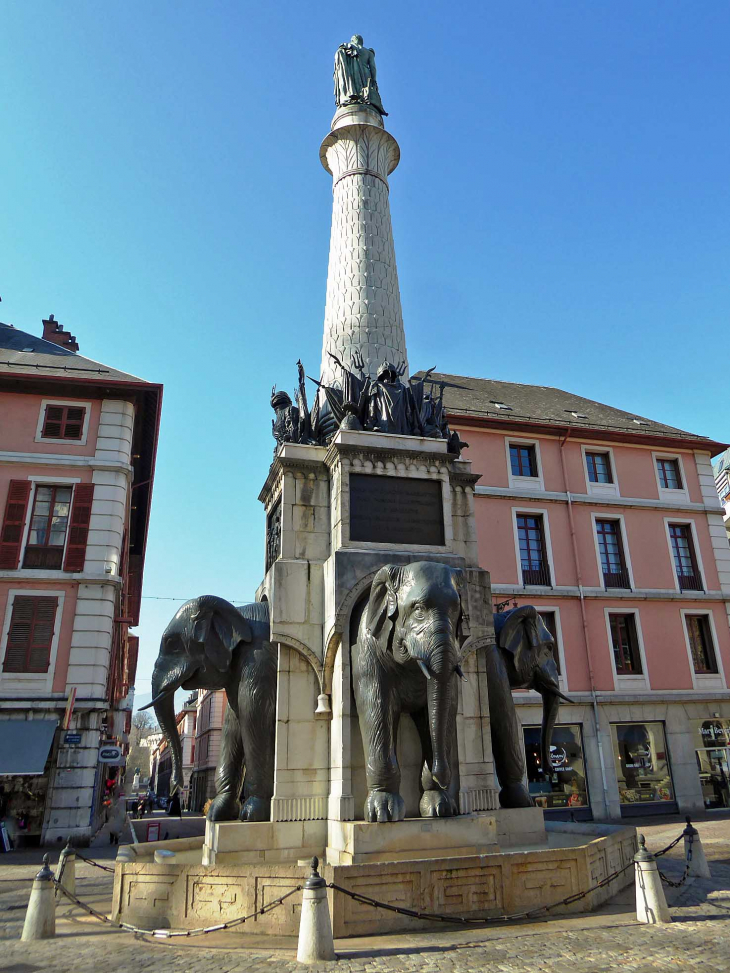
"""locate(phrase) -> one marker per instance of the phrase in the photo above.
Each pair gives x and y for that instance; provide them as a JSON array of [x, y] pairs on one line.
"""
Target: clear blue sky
[[561, 216]]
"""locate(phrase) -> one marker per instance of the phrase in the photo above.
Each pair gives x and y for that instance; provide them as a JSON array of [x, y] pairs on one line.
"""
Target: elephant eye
[[419, 611]]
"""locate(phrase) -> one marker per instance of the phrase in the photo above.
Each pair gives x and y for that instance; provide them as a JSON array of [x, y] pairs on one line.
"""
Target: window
[[30, 635], [523, 460], [700, 644], [533, 553], [611, 551], [625, 645], [599, 467], [565, 788], [551, 625], [48, 525], [642, 764], [685, 562], [670, 477], [63, 422]]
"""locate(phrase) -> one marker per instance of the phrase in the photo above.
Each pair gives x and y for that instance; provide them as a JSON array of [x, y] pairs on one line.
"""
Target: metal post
[[40, 919], [694, 853], [651, 903], [316, 944]]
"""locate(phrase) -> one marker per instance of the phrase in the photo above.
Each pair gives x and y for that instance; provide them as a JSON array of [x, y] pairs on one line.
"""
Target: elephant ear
[[519, 636], [383, 603], [220, 634]]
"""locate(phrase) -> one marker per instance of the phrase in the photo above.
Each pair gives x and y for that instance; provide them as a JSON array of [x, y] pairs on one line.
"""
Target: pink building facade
[[211, 710], [610, 524], [77, 449]]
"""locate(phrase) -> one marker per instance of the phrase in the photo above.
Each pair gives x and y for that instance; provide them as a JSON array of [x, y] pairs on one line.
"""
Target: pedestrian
[[116, 820], [174, 809]]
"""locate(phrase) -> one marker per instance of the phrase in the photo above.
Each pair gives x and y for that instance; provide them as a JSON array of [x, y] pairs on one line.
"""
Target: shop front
[[712, 749], [642, 769], [27, 757], [563, 794]]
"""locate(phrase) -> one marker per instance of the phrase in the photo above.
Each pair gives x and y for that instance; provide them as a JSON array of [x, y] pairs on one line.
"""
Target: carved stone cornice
[[289, 459]]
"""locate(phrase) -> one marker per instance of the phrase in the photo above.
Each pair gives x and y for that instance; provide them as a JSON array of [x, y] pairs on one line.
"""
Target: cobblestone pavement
[[698, 938]]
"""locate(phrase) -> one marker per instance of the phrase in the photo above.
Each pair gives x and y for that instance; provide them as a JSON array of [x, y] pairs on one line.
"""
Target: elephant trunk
[[439, 700], [165, 713], [550, 705]]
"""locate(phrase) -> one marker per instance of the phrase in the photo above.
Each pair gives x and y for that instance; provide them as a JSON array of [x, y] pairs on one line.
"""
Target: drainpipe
[[584, 619]]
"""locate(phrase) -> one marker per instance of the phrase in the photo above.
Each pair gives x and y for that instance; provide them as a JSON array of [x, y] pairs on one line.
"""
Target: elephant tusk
[[158, 698], [460, 673], [562, 696], [424, 668]]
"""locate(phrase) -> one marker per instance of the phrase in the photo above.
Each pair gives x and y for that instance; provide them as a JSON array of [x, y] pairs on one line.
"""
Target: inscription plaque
[[396, 510]]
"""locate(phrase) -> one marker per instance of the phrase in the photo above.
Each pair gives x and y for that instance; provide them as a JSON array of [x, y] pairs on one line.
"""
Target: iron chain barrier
[[375, 903]]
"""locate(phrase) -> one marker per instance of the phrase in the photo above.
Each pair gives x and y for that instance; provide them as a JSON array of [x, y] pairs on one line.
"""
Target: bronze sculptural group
[[383, 404], [355, 75], [404, 645]]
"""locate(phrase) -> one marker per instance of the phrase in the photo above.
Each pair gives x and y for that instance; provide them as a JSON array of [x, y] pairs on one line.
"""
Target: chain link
[[90, 861], [685, 876]]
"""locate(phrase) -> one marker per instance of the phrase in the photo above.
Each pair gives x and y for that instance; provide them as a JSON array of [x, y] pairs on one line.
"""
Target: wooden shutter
[[30, 635], [53, 422], [74, 423], [11, 535], [78, 530]]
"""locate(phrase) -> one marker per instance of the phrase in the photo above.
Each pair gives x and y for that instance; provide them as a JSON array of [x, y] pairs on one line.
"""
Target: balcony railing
[[690, 582], [616, 579], [537, 576]]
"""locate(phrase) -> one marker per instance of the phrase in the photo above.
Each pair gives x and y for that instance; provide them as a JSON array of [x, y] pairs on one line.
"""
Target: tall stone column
[[363, 311]]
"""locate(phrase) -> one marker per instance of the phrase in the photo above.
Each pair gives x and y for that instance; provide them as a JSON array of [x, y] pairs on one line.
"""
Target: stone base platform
[[359, 842], [184, 896]]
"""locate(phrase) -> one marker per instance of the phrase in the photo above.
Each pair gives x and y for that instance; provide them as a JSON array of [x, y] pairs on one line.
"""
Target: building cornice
[[57, 459], [610, 595], [550, 496]]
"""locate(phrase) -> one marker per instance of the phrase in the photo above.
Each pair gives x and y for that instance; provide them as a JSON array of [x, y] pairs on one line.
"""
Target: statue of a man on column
[[355, 75]]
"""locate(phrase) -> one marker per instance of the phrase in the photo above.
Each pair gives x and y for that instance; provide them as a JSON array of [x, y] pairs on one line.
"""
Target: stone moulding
[[299, 808]]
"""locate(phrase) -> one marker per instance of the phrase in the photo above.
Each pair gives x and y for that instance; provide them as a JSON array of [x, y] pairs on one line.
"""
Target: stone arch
[[341, 625], [293, 643]]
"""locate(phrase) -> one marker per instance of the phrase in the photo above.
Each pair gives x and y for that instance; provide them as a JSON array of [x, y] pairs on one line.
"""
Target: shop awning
[[25, 745]]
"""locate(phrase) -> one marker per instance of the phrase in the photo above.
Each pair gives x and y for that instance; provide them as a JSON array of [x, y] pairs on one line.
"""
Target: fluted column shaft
[[363, 310]]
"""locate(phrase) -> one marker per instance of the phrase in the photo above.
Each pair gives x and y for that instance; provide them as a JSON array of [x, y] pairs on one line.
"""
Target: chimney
[[53, 331]]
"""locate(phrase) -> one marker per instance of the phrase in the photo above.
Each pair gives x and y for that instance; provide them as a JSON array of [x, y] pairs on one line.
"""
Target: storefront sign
[[111, 755], [153, 831], [72, 739]]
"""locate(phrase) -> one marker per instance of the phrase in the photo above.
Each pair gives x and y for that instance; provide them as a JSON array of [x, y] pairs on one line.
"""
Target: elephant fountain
[[209, 644]]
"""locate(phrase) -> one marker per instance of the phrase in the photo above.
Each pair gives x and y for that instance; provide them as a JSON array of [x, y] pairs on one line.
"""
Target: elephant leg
[[229, 775], [258, 729], [507, 741], [378, 708], [435, 802]]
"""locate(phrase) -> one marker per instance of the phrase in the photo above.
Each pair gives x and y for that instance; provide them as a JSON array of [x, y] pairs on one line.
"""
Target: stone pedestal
[[318, 512]]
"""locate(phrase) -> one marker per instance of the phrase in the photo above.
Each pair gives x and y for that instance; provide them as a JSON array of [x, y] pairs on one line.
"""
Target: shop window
[[670, 477], [599, 467], [642, 765], [685, 561], [48, 526], [712, 742], [566, 787], [551, 625], [523, 460], [30, 636], [533, 552], [611, 551], [704, 659], [625, 643]]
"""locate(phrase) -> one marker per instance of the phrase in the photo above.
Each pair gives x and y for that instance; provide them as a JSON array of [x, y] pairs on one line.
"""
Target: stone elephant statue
[[405, 659], [521, 659], [210, 644]]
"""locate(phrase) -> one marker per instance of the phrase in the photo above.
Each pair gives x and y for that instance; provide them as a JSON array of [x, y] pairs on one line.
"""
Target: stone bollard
[[315, 928], [651, 903], [698, 866], [40, 919], [66, 869]]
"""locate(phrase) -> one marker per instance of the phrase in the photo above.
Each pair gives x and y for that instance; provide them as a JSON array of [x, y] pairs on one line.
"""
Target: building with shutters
[[610, 524], [77, 454], [212, 706]]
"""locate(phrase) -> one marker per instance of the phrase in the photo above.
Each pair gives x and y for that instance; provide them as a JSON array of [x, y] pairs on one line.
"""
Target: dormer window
[[502, 406], [576, 415], [641, 422]]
